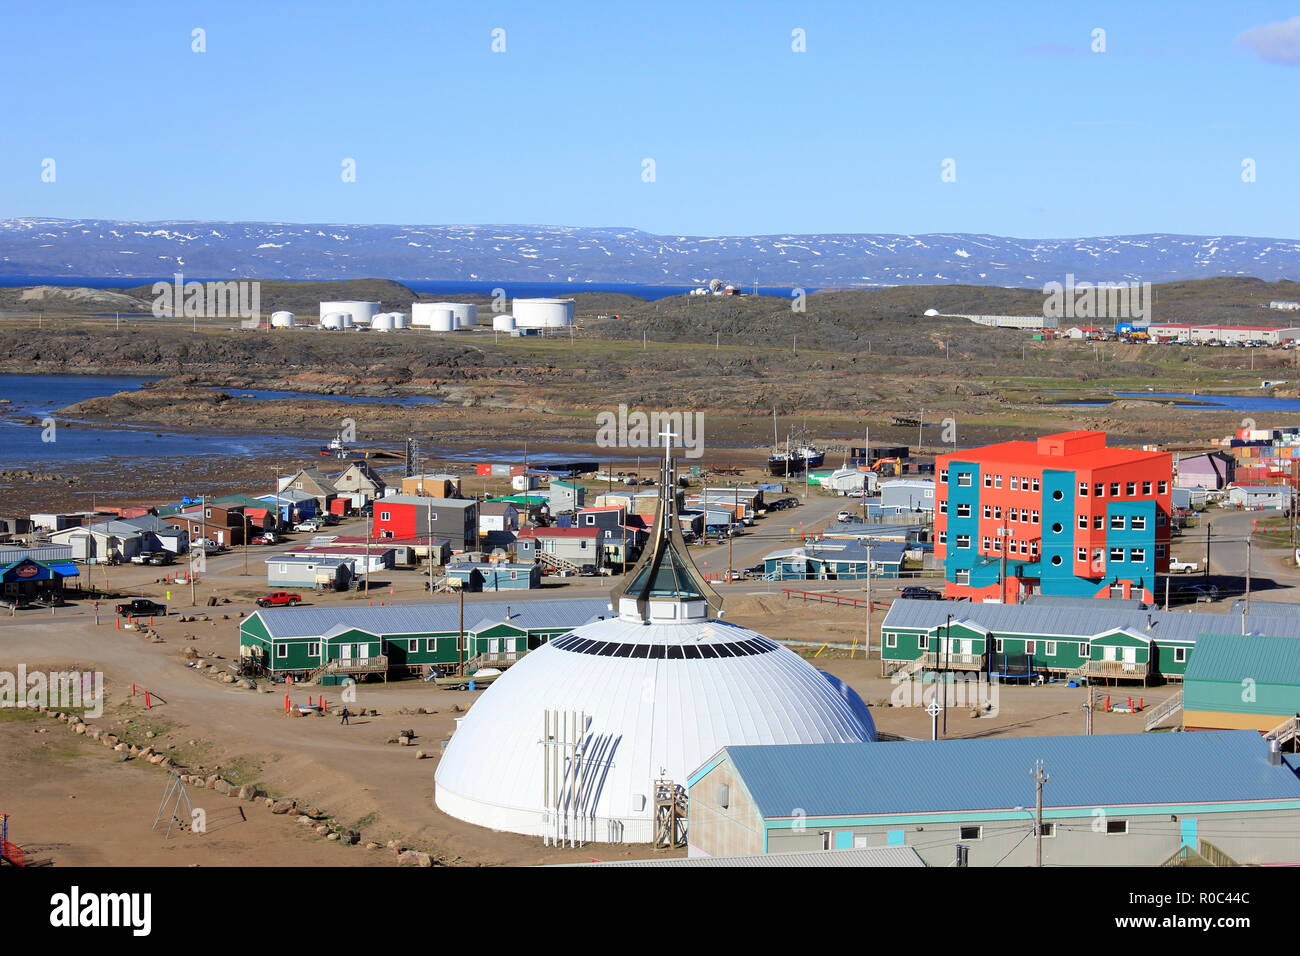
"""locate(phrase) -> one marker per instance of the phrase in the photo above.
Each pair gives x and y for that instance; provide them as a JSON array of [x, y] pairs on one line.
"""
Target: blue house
[[485, 576]]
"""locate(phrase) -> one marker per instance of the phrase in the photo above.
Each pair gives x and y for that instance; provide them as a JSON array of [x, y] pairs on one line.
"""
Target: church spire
[[665, 585]]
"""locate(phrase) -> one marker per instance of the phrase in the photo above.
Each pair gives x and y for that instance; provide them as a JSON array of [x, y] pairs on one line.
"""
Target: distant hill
[[512, 253]]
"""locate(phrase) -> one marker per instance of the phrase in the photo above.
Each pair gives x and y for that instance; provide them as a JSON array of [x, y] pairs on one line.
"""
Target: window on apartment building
[[943, 476], [1085, 650], [943, 537], [1096, 556], [943, 507], [1117, 555], [972, 833], [963, 480], [1083, 522], [1031, 647], [1161, 550], [1116, 522], [997, 511], [1164, 487], [1137, 555], [984, 542], [1138, 522], [997, 545], [1160, 519], [1098, 490], [430, 644], [923, 640], [1015, 482], [413, 645], [1117, 826], [1033, 548], [1114, 489], [1057, 495], [1056, 560], [963, 541], [962, 576], [1050, 648], [988, 481], [1146, 487], [1034, 519], [385, 516], [1099, 522], [891, 640], [1180, 655], [988, 511], [1081, 554], [997, 645], [1013, 546], [997, 481], [591, 519], [1057, 527], [1131, 488], [1083, 489], [282, 650], [963, 511], [1035, 483]]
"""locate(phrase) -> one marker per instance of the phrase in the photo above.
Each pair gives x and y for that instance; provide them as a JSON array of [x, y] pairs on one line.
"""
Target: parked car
[[1199, 592], [736, 574], [1177, 565], [159, 558], [141, 607], [917, 593], [143, 557], [844, 516], [269, 537], [758, 570], [279, 599], [311, 524], [587, 571]]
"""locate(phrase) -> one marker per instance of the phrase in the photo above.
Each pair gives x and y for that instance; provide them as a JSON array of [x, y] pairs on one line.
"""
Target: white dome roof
[[660, 700]]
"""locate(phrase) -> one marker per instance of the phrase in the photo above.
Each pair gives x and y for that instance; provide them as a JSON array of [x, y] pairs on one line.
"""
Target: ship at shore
[[796, 456]]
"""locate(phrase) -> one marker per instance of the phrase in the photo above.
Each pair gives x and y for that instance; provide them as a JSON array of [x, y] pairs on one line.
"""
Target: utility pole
[[731, 536], [920, 424], [947, 653], [460, 641], [1039, 779], [1207, 552], [869, 603], [1087, 710], [1248, 544]]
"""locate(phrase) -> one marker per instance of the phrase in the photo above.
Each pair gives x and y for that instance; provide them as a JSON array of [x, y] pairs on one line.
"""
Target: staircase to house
[[557, 563], [1286, 731], [1205, 854], [353, 666], [1166, 709]]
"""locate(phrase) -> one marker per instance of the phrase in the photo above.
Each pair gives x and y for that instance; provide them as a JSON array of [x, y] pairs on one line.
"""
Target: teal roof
[[1235, 657]]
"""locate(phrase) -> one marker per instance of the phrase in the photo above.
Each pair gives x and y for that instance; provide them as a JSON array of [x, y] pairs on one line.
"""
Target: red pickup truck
[[279, 599]]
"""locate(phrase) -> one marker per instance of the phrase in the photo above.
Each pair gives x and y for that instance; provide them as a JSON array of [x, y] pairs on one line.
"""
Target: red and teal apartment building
[[1062, 515]]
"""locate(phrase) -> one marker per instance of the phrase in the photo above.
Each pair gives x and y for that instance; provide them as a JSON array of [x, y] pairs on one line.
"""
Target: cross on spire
[[669, 434]]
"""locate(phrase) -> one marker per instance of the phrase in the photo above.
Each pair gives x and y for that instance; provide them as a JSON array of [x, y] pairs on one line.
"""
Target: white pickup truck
[[1177, 566]]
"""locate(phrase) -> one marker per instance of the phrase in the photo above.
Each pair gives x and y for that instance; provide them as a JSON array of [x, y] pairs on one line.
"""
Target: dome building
[[572, 742]]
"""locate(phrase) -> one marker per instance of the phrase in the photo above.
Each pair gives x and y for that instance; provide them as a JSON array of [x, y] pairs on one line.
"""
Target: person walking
[[343, 718]]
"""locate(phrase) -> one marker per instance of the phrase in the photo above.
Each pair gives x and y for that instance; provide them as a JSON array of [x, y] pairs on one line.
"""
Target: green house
[[408, 638]]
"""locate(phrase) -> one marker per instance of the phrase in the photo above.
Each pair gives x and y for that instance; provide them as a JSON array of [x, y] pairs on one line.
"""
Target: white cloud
[[1275, 42]]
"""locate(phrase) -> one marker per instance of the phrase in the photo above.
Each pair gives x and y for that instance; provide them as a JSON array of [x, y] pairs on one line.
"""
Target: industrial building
[[591, 737], [1095, 639], [1061, 515], [347, 314], [1212, 470], [1218, 798], [393, 638]]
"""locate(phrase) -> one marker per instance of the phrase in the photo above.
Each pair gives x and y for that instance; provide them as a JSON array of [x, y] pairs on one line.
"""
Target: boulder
[[423, 859], [247, 792], [331, 836], [350, 837], [408, 858], [282, 806], [224, 787]]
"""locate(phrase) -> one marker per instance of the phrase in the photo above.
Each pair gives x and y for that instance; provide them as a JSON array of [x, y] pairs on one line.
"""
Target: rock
[[408, 858], [79, 729], [332, 836], [373, 846], [224, 787], [157, 758], [391, 740], [351, 837], [421, 755], [211, 780], [267, 801], [304, 819], [120, 749], [282, 806], [423, 859], [250, 685], [150, 734], [322, 829], [227, 679], [123, 757], [147, 752], [247, 792], [404, 741]]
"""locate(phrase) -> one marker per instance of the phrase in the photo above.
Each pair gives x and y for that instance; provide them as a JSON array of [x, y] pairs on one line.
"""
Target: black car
[[917, 593], [141, 607], [587, 571]]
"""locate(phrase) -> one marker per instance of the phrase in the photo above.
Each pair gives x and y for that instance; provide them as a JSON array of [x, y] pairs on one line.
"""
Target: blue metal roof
[[1233, 657], [1086, 620], [1105, 770], [432, 618]]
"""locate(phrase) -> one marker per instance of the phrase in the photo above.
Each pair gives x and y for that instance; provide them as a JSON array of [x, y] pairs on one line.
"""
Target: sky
[[679, 118]]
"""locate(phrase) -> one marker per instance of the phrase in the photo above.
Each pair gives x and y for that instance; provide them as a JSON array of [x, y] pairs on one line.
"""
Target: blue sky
[[1049, 139]]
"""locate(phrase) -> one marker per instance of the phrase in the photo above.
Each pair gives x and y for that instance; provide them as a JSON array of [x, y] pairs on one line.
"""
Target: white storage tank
[[442, 320], [399, 320], [281, 320], [543, 313], [422, 314], [333, 320], [359, 313], [383, 322], [503, 323]]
